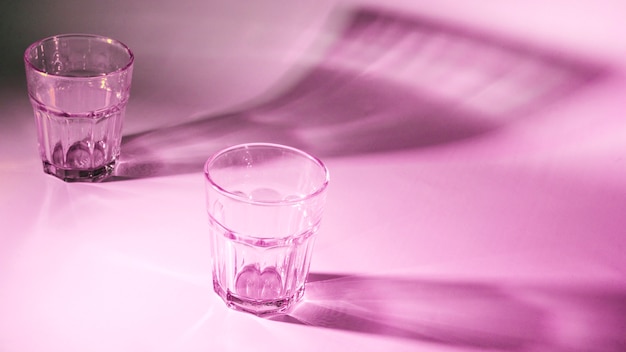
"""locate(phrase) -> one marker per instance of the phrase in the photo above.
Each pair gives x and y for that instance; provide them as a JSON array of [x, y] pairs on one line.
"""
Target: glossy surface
[[447, 227]]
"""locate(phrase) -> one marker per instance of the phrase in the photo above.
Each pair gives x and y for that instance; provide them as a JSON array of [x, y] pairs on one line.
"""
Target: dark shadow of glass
[[460, 314], [389, 82], [466, 314]]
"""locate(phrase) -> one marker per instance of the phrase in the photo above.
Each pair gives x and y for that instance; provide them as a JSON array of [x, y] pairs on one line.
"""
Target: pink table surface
[[477, 153]]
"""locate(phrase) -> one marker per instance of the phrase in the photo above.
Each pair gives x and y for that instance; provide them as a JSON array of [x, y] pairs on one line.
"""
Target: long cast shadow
[[390, 81], [467, 314]]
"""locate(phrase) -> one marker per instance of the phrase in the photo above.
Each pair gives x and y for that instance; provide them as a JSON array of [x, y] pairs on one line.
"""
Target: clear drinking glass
[[79, 85], [265, 204]]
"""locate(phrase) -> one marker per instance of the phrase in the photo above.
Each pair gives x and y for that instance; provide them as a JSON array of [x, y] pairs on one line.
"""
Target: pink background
[[477, 153]]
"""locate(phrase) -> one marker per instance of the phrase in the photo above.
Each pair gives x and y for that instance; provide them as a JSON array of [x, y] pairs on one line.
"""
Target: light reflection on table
[[477, 181]]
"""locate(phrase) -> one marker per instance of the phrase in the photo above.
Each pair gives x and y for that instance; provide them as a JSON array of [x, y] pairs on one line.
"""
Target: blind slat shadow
[[389, 82]]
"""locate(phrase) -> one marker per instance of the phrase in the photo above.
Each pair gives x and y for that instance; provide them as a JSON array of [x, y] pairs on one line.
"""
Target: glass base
[[255, 306], [82, 175]]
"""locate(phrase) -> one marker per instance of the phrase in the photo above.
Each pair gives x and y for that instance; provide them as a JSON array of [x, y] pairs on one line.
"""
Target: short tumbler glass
[[79, 85], [265, 203]]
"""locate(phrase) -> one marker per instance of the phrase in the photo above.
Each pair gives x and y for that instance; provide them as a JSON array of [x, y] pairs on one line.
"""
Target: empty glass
[[79, 85], [265, 204]]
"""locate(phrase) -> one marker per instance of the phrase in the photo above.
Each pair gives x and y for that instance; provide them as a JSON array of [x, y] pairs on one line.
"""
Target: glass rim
[[319, 190], [108, 40]]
